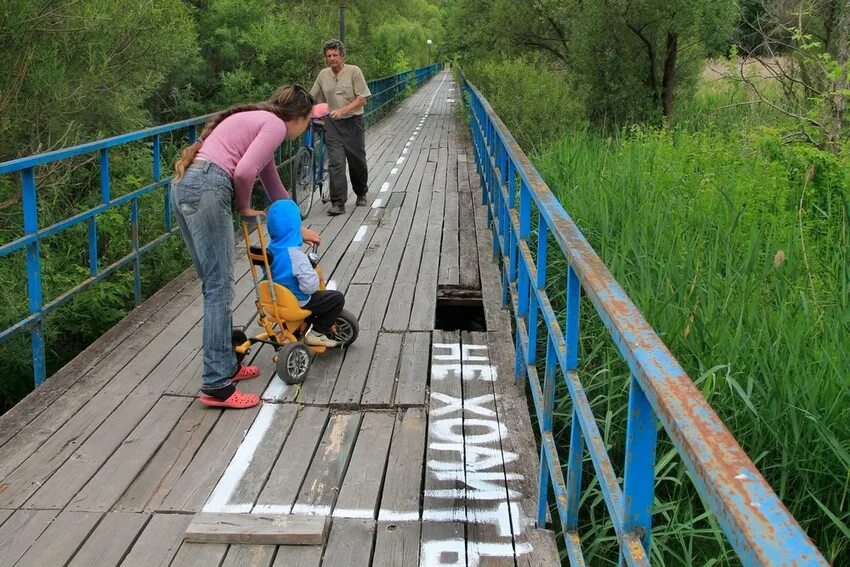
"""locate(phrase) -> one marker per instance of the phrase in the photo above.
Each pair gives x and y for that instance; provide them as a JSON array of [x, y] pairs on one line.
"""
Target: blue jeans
[[202, 204]]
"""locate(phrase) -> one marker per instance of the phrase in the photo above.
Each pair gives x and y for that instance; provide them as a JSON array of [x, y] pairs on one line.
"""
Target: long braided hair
[[289, 102]]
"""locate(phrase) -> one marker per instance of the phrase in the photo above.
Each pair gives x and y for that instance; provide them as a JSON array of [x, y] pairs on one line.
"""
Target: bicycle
[[309, 165]]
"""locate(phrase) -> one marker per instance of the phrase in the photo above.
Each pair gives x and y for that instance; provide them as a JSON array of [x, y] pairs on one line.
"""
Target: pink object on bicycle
[[320, 110]]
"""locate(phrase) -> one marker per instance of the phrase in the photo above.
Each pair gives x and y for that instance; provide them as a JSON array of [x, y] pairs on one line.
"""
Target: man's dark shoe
[[361, 201], [337, 209]]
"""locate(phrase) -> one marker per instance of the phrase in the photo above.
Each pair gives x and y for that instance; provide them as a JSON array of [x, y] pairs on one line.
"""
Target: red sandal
[[246, 373], [237, 400]]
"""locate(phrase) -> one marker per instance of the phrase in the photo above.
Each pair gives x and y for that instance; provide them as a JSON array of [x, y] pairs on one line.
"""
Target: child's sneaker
[[319, 339]]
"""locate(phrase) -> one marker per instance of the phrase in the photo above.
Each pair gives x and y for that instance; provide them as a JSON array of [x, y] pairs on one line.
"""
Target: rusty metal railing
[[758, 526]]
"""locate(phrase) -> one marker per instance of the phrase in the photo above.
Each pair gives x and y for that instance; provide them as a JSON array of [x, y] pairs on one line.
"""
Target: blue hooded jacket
[[290, 266]]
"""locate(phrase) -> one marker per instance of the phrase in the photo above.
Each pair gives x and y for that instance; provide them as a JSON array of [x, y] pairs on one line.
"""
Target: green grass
[[734, 242], [694, 225]]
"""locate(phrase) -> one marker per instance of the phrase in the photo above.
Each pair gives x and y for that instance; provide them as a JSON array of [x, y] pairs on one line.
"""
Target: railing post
[[576, 454], [137, 263], [639, 469], [546, 427], [34, 291]]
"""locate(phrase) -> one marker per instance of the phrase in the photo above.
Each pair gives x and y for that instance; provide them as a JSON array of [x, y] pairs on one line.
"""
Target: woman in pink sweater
[[235, 148]]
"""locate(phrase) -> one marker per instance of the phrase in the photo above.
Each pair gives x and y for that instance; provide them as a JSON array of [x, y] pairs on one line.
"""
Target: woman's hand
[[249, 212], [310, 236]]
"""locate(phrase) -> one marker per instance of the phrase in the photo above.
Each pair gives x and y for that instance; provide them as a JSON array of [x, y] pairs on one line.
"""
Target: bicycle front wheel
[[302, 188]]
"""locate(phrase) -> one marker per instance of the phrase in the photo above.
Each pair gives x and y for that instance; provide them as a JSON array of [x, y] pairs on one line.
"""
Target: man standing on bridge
[[344, 88]]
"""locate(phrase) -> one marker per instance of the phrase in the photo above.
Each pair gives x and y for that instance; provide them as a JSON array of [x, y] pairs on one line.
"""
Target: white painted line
[[385, 186], [400, 160], [407, 145], [271, 509], [393, 516], [311, 510], [405, 151], [239, 464], [236, 509], [393, 171], [376, 203], [418, 128], [361, 232], [355, 513], [276, 390], [331, 285], [411, 138]]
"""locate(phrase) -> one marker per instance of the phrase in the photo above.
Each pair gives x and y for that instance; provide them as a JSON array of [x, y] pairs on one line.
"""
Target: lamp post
[[429, 51]]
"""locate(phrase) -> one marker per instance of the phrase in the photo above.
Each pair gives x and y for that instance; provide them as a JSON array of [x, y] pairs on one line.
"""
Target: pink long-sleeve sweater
[[243, 145]]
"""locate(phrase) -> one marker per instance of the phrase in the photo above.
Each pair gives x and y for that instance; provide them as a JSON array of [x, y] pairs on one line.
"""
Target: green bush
[[538, 103]]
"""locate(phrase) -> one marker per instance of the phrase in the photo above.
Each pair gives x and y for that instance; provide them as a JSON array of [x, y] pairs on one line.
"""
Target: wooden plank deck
[[414, 443]]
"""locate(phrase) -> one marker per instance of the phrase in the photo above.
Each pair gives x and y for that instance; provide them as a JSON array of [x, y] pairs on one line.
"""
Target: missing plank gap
[[459, 309]]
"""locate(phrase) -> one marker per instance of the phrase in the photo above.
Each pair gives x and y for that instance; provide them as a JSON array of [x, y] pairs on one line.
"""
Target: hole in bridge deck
[[459, 309]]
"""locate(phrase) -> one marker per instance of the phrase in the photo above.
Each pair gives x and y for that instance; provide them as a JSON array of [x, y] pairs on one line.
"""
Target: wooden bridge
[[414, 443]]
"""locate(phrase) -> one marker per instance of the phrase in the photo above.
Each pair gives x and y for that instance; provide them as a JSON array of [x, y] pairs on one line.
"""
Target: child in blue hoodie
[[292, 269]]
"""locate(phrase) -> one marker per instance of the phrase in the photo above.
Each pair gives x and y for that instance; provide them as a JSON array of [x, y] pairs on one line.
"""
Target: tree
[[635, 56], [77, 69], [802, 48]]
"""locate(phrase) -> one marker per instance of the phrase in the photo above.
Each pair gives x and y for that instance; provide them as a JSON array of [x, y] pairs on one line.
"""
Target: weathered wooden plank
[[20, 531], [445, 452], [518, 445], [468, 251], [298, 556], [443, 543], [489, 518], [544, 549], [109, 542], [413, 370], [61, 539], [39, 464], [400, 302], [195, 484], [397, 543], [277, 529], [350, 542], [264, 457], [159, 541], [323, 374], [164, 469], [425, 295], [115, 475], [355, 298], [367, 270], [321, 485], [450, 258], [401, 492], [249, 556], [358, 497], [376, 306], [4, 515], [199, 554], [380, 383], [284, 483], [92, 368], [355, 369]]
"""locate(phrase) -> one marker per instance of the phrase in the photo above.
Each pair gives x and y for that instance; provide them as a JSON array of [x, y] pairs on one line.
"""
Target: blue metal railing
[[386, 91], [759, 528]]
